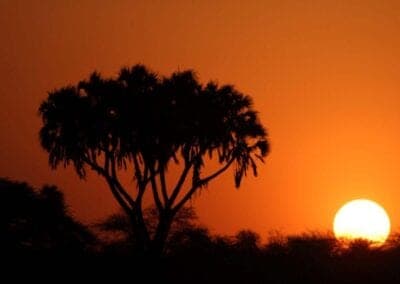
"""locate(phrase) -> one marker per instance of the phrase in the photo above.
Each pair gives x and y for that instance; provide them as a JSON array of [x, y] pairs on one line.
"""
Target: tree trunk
[[148, 253], [157, 245], [141, 237]]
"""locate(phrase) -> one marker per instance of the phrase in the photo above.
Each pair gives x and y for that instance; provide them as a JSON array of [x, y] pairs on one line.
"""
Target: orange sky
[[324, 76]]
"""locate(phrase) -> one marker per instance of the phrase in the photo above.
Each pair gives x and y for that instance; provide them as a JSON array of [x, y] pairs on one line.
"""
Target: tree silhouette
[[141, 124], [38, 222]]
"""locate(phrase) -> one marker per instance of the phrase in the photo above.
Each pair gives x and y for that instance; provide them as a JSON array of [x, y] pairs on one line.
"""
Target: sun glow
[[362, 219]]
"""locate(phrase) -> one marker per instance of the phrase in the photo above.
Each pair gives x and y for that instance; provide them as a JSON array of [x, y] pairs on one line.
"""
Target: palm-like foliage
[[144, 122]]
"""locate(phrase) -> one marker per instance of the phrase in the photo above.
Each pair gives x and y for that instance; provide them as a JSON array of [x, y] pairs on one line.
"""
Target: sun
[[362, 219]]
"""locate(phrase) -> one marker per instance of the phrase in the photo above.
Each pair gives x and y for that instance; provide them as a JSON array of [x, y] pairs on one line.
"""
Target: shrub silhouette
[[38, 222], [120, 238]]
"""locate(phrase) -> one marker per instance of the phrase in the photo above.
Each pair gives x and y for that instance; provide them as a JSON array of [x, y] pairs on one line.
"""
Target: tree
[[38, 221], [141, 124]]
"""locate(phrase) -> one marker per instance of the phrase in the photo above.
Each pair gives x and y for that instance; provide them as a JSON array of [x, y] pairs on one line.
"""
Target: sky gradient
[[324, 76]]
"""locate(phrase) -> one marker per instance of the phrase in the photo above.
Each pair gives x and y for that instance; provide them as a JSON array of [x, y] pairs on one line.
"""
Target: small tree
[[140, 123]]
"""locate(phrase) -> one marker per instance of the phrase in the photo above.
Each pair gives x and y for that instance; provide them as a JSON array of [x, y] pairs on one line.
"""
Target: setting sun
[[362, 219]]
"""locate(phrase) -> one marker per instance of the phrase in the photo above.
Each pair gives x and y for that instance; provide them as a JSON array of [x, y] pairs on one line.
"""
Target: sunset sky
[[324, 76]]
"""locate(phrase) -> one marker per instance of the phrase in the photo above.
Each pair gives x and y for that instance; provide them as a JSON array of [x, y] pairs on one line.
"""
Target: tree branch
[[155, 189], [200, 183], [217, 173], [179, 184], [118, 197], [138, 173], [95, 166], [123, 198], [115, 179], [129, 206], [163, 184]]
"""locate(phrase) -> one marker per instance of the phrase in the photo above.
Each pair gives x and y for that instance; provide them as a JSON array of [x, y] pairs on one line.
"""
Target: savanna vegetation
[[36, 222]]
